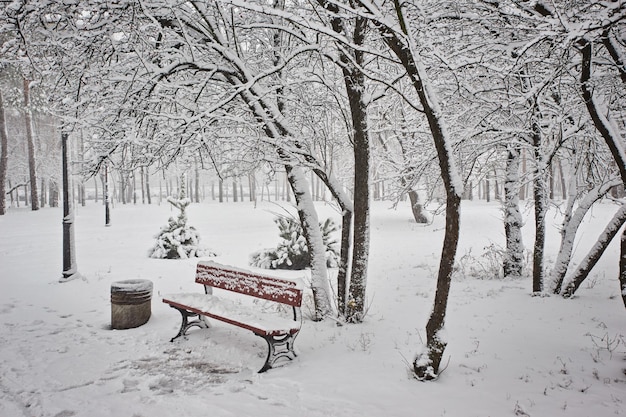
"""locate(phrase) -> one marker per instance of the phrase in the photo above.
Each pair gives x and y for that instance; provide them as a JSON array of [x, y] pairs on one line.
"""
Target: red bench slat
[[248, 283]]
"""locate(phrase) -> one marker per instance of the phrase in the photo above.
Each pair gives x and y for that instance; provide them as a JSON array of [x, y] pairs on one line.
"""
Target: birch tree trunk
[[514, 256]]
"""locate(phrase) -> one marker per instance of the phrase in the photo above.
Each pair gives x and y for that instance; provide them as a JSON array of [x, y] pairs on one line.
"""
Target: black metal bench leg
[[186, 324], [278, 347]]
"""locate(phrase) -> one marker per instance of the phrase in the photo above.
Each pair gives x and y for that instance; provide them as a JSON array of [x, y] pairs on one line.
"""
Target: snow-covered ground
[[509, 353]]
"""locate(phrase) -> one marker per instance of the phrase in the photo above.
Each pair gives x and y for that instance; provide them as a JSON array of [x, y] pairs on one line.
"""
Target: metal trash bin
[[130, 303]]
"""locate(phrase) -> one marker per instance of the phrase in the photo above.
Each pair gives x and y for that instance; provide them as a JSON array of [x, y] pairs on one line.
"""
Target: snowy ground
[[509, 353]]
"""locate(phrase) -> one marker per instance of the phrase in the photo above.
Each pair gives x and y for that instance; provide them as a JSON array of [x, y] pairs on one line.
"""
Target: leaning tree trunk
[[313, 235], [587, 264], [513, 262], [4, 141], [347, 212], [34, 198], [611, 136], [568, 233]]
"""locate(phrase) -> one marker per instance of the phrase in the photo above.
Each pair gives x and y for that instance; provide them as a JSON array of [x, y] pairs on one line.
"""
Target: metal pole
[[107, 199], [69, 258]]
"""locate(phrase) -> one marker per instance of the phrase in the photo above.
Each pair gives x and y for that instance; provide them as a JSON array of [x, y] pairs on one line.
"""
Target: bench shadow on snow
[[207, 357]]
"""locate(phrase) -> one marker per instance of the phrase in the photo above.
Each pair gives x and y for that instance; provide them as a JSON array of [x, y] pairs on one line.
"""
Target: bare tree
[[395, 33], [30, 142]]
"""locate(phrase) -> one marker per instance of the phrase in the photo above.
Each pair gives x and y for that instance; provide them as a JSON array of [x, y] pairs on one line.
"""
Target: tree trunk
[[347, 211], [354, 81], [197, 185], [540, 199], [622, 267], [133, 189], [417, 208], [30, 140], [4, 143], [562, 179], [95, 184], [487, 190], [426, 364], [143, 185], [42, 193], [147, 174], [540, 230], [123, 187], [513, 262], [587, 264], [54, 194], [496, 186], [356, 306], [612, 138], [571, 222], [313, 235]]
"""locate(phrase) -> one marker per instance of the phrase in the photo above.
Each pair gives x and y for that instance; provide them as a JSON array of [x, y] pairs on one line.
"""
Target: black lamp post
[[107, 198], [70, 270]]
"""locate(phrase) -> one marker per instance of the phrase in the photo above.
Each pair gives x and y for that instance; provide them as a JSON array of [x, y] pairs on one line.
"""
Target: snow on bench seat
[[262, 323]]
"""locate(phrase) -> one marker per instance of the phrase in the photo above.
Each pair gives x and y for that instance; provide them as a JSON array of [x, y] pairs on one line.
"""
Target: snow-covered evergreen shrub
[[178, 240], [292, 251]]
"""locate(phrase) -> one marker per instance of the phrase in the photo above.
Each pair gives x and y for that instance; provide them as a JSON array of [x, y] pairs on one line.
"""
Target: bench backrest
[[246, 282]]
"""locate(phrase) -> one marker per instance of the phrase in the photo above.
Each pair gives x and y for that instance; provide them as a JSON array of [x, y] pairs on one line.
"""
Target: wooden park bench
[[278, 332]]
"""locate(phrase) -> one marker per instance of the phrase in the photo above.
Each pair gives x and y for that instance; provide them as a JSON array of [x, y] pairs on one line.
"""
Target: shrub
[[178, 240], [292, 251]]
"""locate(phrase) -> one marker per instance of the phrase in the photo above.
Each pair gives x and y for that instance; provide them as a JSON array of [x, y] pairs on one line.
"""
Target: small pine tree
[[292, 252], [177, 240]]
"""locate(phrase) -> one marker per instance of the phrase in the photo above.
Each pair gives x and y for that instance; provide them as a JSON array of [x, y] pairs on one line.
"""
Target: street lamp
[[70, 270]]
